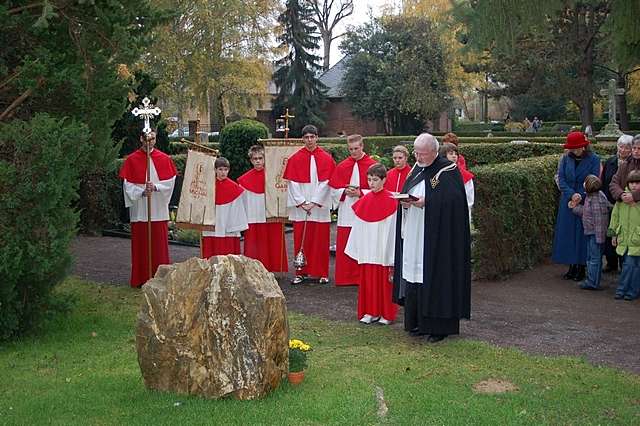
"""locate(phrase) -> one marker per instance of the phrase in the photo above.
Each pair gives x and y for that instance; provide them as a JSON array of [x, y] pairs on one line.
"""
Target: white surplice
[[372, 242], [346, 216], [137, 203], [413, 238], [231, 218], [312, 192], [254, 205]]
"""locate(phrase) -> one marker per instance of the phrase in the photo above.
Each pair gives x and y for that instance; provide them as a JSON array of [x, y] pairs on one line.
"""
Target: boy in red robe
[[231, 217], [372, 245], [347, 182], [136, 188], [398, 175], [262, 241], [309, 202]]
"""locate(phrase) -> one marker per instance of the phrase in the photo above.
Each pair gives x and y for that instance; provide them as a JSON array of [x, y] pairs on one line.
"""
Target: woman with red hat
[[569, 242]]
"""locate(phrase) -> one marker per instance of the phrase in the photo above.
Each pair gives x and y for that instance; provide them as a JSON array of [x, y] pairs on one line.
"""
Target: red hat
[[576, 140]]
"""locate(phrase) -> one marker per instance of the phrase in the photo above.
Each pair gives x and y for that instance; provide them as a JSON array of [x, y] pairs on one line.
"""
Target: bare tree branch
[[20, 99]]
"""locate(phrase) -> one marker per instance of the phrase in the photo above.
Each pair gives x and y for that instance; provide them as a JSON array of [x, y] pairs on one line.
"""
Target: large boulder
[[213, 328]]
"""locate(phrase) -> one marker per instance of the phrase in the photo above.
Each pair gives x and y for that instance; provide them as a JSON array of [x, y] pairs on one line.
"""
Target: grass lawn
[[81, 368]]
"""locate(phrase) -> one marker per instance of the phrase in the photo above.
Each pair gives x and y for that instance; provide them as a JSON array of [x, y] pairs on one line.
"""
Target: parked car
[[178, 133]]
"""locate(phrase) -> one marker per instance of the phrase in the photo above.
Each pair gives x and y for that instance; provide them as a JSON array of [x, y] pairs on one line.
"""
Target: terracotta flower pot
[[295, 378]]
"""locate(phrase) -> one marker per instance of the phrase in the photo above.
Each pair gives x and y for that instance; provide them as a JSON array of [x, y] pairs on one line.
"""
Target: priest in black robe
[[432, 271]]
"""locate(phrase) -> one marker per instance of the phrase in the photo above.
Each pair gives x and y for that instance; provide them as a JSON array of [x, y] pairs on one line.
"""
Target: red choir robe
[[231, 219], [348, 172], [467, 179], [262, 241], [308, 174], [134, 175], [372, 244], [396, 178]]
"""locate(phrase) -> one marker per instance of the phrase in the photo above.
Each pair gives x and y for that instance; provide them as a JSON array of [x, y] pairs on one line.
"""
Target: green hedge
[[514, 214], [488, 153], [40, 165], [236, 139]]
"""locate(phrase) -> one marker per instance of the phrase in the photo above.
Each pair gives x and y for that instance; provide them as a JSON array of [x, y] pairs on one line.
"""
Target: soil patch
[[493, 386]]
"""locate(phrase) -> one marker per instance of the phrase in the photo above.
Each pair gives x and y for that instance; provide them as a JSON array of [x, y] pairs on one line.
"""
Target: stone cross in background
[[611, 129]]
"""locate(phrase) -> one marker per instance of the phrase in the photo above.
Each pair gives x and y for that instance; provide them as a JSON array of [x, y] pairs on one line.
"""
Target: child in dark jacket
[[595, 221]]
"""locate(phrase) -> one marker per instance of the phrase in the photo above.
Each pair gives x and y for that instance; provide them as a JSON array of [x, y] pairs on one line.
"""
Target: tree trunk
[[622, 102], [326, 41], [216, 111]]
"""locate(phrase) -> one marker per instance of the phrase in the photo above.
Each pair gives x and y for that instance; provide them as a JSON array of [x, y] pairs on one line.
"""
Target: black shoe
[[415, 332], [627, 297], [434, 338], [571, 273], [581, 273], [618, 296]]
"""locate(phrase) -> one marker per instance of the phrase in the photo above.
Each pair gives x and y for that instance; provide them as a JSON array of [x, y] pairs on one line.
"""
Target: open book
[[405, 197]]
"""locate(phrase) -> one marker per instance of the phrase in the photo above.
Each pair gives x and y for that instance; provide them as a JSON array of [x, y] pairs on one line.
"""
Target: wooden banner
[[197, 209], [276, 155]]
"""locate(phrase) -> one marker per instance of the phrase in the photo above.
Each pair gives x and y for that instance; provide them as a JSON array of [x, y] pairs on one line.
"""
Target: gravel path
[[534, 311]]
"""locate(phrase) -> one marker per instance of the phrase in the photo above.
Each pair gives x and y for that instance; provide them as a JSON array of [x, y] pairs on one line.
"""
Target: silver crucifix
[[147, 112]]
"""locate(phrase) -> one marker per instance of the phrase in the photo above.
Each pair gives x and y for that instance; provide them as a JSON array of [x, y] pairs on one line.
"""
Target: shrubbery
[[488, 153], [514, 213], [40, 164], [236, 139]]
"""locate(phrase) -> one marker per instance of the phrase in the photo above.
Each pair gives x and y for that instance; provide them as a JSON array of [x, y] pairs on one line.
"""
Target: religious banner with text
[[276, 155], [197, 207]]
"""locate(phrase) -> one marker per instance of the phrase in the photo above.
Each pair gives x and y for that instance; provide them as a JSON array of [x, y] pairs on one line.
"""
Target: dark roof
[[332, 78]]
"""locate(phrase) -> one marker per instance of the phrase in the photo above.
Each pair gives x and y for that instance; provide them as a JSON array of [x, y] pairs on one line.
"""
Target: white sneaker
[[384, 321], [366, 319]]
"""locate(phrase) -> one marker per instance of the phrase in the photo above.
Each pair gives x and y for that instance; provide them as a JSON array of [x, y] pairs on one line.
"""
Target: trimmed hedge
[[236, 139], [514, 214], [488, 153]]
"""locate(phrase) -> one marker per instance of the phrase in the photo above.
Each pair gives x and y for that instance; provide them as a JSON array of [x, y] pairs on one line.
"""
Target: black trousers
[[415, 319]]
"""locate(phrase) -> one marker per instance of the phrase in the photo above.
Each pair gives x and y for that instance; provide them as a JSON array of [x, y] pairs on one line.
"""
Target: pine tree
[[299, 88]]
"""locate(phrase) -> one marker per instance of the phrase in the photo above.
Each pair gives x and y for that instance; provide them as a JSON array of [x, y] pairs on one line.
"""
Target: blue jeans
[[594, 262], [629, 284]]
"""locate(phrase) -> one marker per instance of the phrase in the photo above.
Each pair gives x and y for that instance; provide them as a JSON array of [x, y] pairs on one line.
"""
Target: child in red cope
[[262, 241], [398, 175], [162, 177], [347, 182], [372, 245], [450, 151], [231, 217]]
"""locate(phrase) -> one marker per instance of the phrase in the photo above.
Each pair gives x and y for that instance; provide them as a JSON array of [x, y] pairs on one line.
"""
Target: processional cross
[[286, 117], [146, 111]]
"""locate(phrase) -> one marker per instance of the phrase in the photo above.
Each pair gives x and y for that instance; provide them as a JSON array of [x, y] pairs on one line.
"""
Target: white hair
[[428, 141], [625, 140], [636, 139]]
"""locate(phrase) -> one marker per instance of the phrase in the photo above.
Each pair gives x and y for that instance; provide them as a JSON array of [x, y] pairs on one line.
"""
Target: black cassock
[[436, 305]]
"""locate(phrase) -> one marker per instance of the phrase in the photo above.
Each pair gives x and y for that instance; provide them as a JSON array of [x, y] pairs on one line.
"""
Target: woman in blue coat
[[569, 242]]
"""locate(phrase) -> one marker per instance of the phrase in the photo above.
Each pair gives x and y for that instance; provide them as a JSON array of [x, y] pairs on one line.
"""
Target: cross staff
[[286, 117], [147, 111]]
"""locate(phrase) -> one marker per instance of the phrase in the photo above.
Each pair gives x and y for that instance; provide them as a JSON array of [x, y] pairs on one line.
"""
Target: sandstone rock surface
[[213, 328]]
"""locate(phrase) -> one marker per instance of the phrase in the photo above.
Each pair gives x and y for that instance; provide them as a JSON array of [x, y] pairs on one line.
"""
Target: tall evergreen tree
[[299, 88]]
